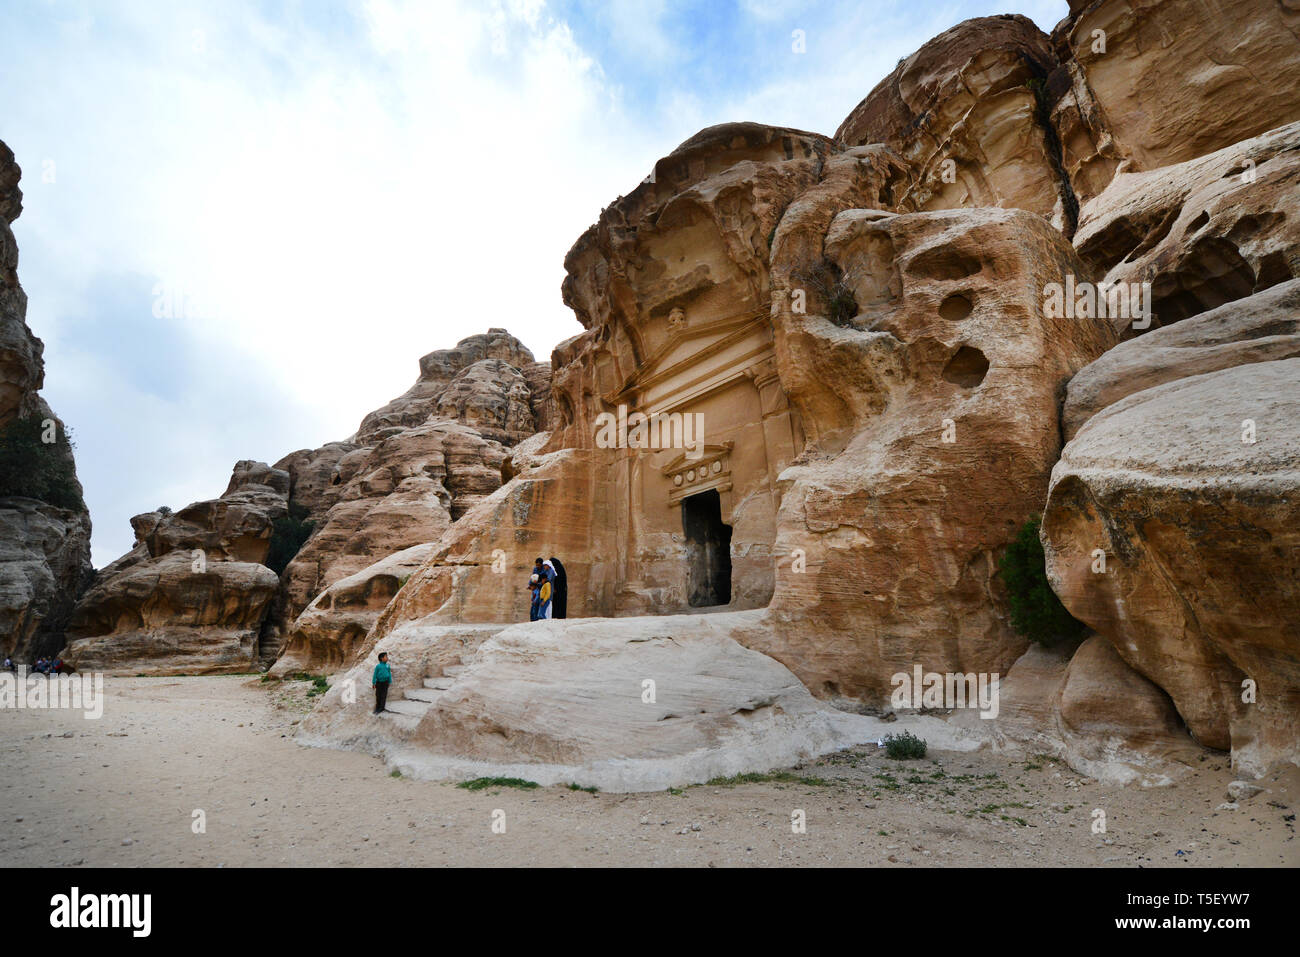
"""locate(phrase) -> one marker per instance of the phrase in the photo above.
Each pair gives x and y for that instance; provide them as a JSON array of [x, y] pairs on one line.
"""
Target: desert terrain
[[122, 791]]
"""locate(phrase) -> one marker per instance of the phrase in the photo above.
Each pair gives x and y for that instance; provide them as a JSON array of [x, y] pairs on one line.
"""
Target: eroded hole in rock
[[1197, 223], [955, 307], [708, 550], [1210, 275], [967, 368], [1127, 238], [943, 262]]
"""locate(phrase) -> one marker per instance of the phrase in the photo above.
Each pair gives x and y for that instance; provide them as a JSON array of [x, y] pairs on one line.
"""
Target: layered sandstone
[[1087, 707], [191, 596], [44, 541], [410, 472], [965, 113], [900, 411], [1153, 83], [909, 328], [1201, 233], [1258, 328], [1189, 490]]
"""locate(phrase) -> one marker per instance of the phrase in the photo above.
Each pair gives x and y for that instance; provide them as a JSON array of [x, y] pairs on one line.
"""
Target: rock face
[[820, 386], [191, 596], [372, 507], [1159, 82], [1190, 489], [330, 631], [964, 111], [943, 392], [412, 470], [44, 537], [1090, 709], [1202, 233], [1259, 328], [437, 372], [882, 360]]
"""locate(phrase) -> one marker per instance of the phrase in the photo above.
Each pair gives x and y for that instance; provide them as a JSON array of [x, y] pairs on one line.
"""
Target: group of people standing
[[42, 665], [550, 587]]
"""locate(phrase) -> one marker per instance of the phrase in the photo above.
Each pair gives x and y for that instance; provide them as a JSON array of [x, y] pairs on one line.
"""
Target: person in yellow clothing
[[546, 577]]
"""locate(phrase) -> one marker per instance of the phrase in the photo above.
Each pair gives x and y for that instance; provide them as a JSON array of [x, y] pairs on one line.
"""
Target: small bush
[[833, 287], [288, 535], [905, 746], [574, 786], [37, 469], [1036, 612]]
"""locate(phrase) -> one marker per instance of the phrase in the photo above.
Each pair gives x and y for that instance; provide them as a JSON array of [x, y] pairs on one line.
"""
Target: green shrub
[[37, 469], [905, 746], [1036, 612], [288, 535]]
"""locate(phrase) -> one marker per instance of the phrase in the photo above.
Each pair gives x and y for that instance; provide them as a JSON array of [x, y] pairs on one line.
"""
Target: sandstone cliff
[[44, 524], [885, 395], [196, 595]]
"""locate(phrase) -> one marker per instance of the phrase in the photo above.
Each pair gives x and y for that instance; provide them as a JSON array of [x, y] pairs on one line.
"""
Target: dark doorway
[[708, 550]]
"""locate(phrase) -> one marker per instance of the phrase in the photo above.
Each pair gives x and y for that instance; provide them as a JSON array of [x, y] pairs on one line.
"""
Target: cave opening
[[708, 550]]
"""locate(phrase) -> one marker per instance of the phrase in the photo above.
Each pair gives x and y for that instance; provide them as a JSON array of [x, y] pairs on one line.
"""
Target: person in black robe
[[560, 601]]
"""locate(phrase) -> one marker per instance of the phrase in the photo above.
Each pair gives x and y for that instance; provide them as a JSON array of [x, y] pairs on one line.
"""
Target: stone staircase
[[407, 711]]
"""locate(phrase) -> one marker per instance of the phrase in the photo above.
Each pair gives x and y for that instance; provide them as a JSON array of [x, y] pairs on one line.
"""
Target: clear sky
[[244, 222]]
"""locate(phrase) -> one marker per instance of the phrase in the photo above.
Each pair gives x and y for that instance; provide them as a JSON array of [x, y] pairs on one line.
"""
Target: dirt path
[[122, 791]]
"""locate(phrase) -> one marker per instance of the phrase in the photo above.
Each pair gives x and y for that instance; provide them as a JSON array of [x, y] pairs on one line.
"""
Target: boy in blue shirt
[[380, 681]]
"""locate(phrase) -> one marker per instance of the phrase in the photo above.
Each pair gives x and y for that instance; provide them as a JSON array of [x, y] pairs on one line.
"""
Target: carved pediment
[[691, 344]]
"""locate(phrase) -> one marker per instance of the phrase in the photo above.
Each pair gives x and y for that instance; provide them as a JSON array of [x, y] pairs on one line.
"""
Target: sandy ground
[[122, 791]]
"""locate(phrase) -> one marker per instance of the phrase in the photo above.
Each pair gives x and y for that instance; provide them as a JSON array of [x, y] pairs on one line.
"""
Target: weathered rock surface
[[936, 407], [191, 596], [406, 490], [1203, 233], [44, 564], [329, 632], [567, 701], [964, 112], [1260, 328], [375, 502], [1190, 490], [21, 369], [945, 329], [1173, 79], [44, 546], [159, 616], [1092, 711], [881, 384], [437, 371]]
